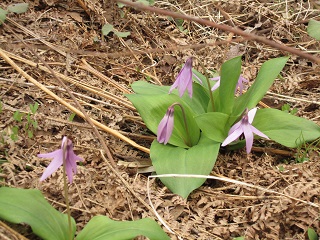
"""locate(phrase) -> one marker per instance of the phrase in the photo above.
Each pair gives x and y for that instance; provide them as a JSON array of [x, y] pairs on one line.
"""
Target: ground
[[99, 71]]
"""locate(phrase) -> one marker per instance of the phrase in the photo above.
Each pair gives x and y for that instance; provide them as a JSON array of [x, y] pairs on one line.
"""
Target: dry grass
[[63, 34]]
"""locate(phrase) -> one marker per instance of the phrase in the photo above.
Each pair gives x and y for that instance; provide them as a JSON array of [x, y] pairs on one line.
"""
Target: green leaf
[[146, 2], [14, 134], [121, 34], [312, 235], [230, 72], [30, 134], [198, 159], [120, 5], [71, 117], [268, 72], [18, 7], [198, 103], [284, 128], [314, 29], [3, 15], [213, 125], [35, 124], [102, 227], [106, 29], [239, 238], [29, 206], [34, 107], [17, 116]]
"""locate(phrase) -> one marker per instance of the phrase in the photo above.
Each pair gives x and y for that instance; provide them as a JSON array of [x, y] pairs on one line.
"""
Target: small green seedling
[[286, 108], [312, 235], [314, 29], [71, 117], [30, 125], [107, 28], [14, 8]]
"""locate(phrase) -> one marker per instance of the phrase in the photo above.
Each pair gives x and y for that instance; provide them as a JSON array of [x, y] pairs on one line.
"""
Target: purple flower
[[165, 127], [57, 155], [239, 85], [244, 126], [184, 79], [217, 83], [240, 82]]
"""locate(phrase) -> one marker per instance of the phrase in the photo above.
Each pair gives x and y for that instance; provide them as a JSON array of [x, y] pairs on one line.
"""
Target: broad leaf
[[106, 29], [121, 34], [146, 2], [213, 125], [18, 7], [29, 206], [284, 128], [102, 227], [230, 72], [268, 72], [314, 29], [198, 159], [312, 235], [3, 15]]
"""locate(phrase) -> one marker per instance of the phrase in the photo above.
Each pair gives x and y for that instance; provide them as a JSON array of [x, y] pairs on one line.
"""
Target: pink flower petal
[[54, 165], [251, 114], [184, 79], [248, 136], [259, 133], [165, 127], [232, 137]]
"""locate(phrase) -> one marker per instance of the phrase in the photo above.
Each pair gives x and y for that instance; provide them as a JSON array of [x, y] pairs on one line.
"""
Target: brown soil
[[68, 37]]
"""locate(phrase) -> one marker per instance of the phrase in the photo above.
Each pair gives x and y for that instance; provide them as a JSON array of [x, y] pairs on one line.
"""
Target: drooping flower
[[240, 82], [184, 79], [244, 126], [217, 83], [165, 127], [70, 158], [239, 85]]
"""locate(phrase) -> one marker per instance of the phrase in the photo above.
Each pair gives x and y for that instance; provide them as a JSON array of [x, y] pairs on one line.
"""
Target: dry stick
[[71, 108], [86, 66], [36, 36], [156, 50], [86, 87], [13, 232], [223, 27]]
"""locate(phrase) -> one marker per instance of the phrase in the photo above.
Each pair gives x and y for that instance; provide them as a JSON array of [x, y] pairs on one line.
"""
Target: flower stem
[[208, 82], [185, 123], [65, 186]]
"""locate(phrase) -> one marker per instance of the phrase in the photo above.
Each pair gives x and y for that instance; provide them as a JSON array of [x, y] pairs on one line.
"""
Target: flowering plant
[[191, 127], [29, 206]]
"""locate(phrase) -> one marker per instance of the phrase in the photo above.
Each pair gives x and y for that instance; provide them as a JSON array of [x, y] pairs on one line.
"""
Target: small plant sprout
[[184, 79], [244, 127], [65, 154]]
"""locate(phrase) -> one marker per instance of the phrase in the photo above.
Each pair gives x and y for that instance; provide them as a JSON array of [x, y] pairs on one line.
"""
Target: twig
[[13, 232], [70, 107], [248, 36]]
